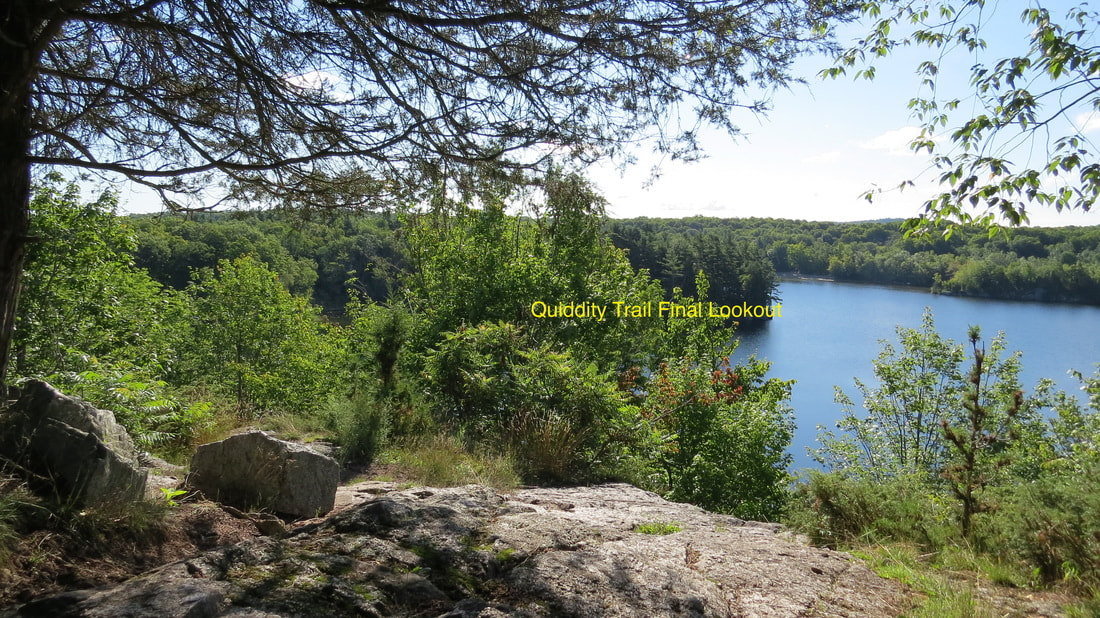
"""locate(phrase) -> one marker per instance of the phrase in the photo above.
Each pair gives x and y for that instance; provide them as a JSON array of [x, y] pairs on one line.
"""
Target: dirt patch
[[94, 553]]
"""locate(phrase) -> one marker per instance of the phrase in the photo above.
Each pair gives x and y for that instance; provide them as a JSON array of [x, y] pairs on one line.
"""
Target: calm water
[[830, 332]]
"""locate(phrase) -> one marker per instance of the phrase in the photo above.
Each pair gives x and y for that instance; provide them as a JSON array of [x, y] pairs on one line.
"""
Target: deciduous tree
[[1019, 141], [84, 299], [251, 337], [922, 389]]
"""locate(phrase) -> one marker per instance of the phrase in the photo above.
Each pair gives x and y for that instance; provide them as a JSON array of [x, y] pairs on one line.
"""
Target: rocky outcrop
[[83, 452], [256, 471], [470, 551]]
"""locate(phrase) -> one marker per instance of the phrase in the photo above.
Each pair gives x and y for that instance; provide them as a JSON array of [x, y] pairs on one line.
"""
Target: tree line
[[1046, 264], [329, 256]]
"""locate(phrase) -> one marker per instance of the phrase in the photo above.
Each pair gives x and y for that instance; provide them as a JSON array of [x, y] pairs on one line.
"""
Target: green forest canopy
[[741, 257]]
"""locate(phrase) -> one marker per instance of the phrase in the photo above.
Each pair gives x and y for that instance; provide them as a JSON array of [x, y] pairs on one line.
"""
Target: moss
[[657, 527], [365, 592]]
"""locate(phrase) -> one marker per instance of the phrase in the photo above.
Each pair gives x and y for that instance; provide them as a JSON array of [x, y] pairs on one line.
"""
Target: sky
[[824, 145], [820, 148]]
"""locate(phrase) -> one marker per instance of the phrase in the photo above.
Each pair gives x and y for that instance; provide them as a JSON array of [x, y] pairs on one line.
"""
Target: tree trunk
[[17, 68]]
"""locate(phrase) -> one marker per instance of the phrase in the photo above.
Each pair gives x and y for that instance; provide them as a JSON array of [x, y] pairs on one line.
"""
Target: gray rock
[[83, 451], [470, 552], [256, 471], [162, 475], [168, 592]]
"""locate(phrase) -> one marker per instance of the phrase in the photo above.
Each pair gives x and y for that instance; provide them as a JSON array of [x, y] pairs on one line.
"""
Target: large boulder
[[256, 471], [84, 453]]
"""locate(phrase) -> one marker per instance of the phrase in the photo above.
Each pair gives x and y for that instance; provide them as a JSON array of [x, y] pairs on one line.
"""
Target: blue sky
[[824, 145], [820, 148]]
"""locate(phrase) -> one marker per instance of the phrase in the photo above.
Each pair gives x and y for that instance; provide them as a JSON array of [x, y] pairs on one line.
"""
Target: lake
[[829, 333]]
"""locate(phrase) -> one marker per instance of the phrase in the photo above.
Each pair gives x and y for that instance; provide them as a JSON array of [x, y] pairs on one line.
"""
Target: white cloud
[[322, 81], [894, 142], [824, 157], [1087, 122]]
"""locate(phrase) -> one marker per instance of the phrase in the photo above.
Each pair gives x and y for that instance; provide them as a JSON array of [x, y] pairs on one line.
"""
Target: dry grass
[[442, 461]]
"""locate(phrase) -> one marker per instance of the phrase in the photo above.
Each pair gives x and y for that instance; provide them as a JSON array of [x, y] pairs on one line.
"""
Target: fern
[[153, 418]]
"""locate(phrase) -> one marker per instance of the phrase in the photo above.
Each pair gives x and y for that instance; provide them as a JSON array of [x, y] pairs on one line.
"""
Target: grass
[[1086, 608], [41, 538], [656, 527], [958, 582], [941, 596], [995, 570], [14, 499], [441, 461], [295, 427]]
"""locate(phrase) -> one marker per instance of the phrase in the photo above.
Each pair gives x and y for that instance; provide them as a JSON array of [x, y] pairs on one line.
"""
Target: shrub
[[554, 414], [1054, 525], [361, 425], [839, 511], [720, 436]]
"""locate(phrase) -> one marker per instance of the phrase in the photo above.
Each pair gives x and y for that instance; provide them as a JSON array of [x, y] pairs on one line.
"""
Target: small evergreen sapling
[[978, 445]]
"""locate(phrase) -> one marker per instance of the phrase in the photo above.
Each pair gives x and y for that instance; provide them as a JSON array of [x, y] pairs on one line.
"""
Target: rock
[[168, 592], [162, 475], [466, 552], [83, 451], [256, 471]]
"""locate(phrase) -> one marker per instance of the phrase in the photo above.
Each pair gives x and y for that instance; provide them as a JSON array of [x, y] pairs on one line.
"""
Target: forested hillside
[[1047, 264], [322, 257], [329, 254]]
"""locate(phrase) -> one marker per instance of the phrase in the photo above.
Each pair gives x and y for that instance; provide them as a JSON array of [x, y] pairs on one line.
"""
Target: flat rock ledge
[[470, 551]]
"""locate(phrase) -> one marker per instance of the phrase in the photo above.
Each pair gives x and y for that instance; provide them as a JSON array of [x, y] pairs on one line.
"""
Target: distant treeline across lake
[[326, 254]]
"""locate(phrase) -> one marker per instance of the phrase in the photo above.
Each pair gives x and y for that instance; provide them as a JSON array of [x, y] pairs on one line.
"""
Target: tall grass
[[443, 461], [360, 426]]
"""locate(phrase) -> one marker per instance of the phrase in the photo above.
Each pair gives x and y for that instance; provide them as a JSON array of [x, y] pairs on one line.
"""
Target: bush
[[1053, 525], [720, 436], [839, 511], [360, 426], [553, 414]]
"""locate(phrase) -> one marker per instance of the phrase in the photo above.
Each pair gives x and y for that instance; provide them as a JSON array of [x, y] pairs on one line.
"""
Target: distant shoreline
[[795, 277]]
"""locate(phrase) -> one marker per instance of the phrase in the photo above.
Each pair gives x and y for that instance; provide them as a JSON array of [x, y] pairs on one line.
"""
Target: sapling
[[977, 445]]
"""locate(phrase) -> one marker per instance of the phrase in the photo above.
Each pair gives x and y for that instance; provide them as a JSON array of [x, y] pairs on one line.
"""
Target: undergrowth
[[443, 461], [905, 530]]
